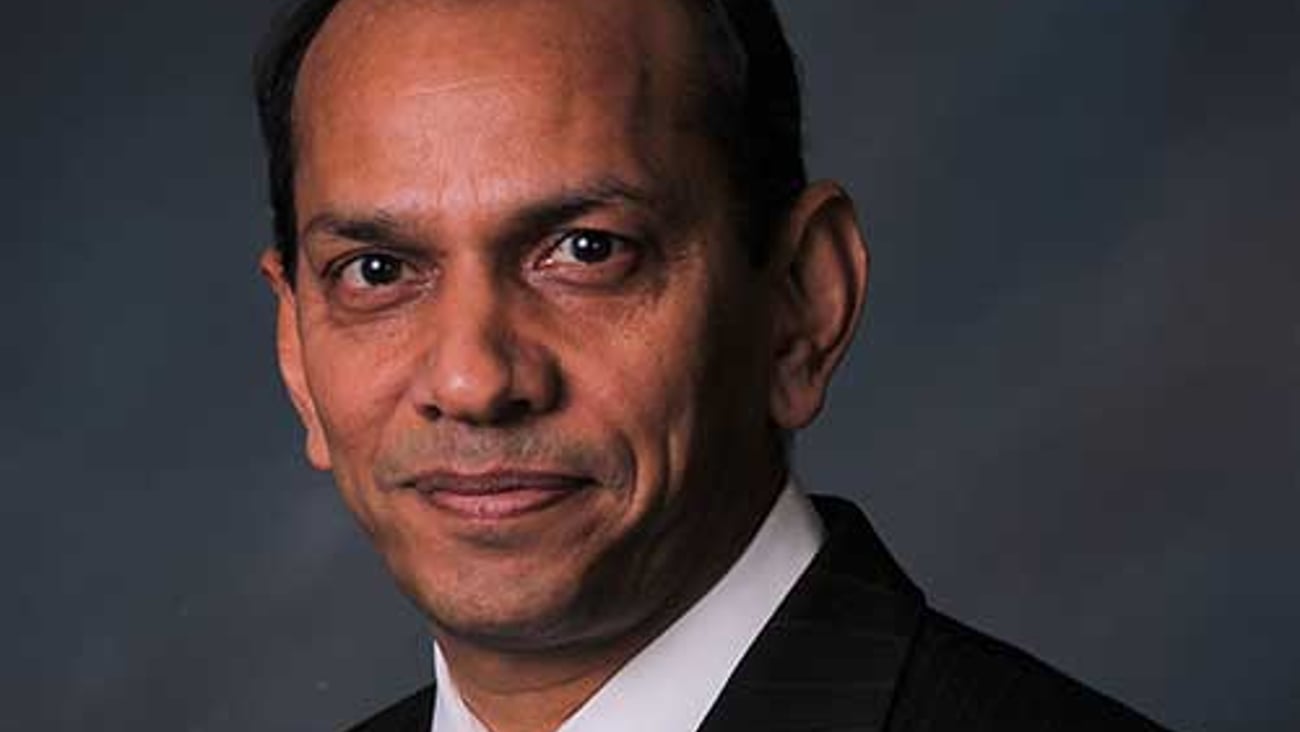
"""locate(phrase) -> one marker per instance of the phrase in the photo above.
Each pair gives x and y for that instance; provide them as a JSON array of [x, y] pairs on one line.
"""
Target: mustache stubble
[[469, 450]]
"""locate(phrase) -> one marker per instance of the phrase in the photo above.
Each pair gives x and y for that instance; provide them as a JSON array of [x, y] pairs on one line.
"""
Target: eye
[[371, 270], [590, 258], [373, 281], [585, 246]]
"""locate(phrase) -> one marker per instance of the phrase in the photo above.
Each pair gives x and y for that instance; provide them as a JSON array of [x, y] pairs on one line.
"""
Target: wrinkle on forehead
[[484, 82]]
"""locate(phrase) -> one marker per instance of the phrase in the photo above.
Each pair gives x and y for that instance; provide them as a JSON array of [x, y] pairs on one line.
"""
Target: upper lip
[[496, 481]]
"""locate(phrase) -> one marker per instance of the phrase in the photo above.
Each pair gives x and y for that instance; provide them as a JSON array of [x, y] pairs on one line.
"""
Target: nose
[[478, 369]]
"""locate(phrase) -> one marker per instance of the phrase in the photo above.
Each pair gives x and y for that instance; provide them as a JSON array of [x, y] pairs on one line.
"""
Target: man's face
[[523, 335]]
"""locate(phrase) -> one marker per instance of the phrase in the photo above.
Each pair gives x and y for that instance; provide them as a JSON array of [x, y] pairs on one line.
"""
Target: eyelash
[[618, 243], [621, 249], [335, 271]]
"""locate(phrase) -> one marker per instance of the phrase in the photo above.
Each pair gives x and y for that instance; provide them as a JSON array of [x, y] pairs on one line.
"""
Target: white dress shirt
[[673, 682]]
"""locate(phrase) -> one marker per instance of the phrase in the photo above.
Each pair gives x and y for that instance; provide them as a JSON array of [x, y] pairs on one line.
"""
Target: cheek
[[699, 384], [644, 378], [357, 386]]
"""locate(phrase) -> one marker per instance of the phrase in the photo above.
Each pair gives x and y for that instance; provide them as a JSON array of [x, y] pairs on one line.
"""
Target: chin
[[495, 606], [522, 607], [508, 625]]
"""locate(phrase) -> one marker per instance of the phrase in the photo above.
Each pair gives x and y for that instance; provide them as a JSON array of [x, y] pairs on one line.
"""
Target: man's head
[[524, 327], [750, 95]]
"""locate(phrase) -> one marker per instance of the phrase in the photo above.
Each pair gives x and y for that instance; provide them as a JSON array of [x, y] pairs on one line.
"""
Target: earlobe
[[822, 287], [288, 347]]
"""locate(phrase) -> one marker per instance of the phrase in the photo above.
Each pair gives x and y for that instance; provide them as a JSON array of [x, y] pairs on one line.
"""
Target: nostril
[[514, 410], [505, 412]]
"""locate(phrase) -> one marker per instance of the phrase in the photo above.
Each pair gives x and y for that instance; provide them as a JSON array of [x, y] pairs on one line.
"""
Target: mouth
[[496, 496]]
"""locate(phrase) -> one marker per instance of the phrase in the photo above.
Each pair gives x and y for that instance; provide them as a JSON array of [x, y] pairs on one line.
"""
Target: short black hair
[[753, 111]]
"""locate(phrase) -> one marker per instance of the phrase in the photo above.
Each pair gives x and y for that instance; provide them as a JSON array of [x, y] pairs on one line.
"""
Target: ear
[[820, 271], [288, 347]]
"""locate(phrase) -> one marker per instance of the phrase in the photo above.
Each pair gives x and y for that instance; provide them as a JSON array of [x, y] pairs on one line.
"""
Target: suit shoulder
[[412, 714], [961, 679]]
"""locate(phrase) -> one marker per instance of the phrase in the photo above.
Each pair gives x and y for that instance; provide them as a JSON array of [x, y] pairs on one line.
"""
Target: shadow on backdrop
[[1074, 412]]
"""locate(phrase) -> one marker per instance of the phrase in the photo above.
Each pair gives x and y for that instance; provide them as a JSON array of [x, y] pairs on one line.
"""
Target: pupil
[[379, 271], [591, 249]]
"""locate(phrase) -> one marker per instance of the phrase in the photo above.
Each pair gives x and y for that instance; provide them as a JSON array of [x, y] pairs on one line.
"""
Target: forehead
[[418, 88], [447, 37]]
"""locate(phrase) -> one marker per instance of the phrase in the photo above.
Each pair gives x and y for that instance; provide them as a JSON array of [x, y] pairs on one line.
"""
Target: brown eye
[[374, 281], [372, 270], [591, 258], [586, 247]]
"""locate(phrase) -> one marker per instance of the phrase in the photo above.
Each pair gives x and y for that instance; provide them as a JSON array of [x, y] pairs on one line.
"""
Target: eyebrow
[[379, 229], [384, 228], [573, 203]]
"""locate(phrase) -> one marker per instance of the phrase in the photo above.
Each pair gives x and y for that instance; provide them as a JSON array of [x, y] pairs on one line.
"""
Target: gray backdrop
[[1074, 412]]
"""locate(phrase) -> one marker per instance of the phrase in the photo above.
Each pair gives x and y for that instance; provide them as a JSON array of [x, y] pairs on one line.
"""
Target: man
[[553, 295]]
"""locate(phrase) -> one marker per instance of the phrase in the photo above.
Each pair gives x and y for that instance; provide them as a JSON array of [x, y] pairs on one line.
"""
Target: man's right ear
[[288, 348]]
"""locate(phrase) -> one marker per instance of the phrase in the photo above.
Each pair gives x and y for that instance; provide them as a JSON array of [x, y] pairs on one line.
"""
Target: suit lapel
[[831, 656], [412, 714]]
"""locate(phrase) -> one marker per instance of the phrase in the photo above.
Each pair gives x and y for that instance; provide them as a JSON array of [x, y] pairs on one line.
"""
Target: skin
[[524, 338]]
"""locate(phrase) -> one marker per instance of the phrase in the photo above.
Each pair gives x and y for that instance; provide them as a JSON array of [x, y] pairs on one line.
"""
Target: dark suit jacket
[[854, 648]]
